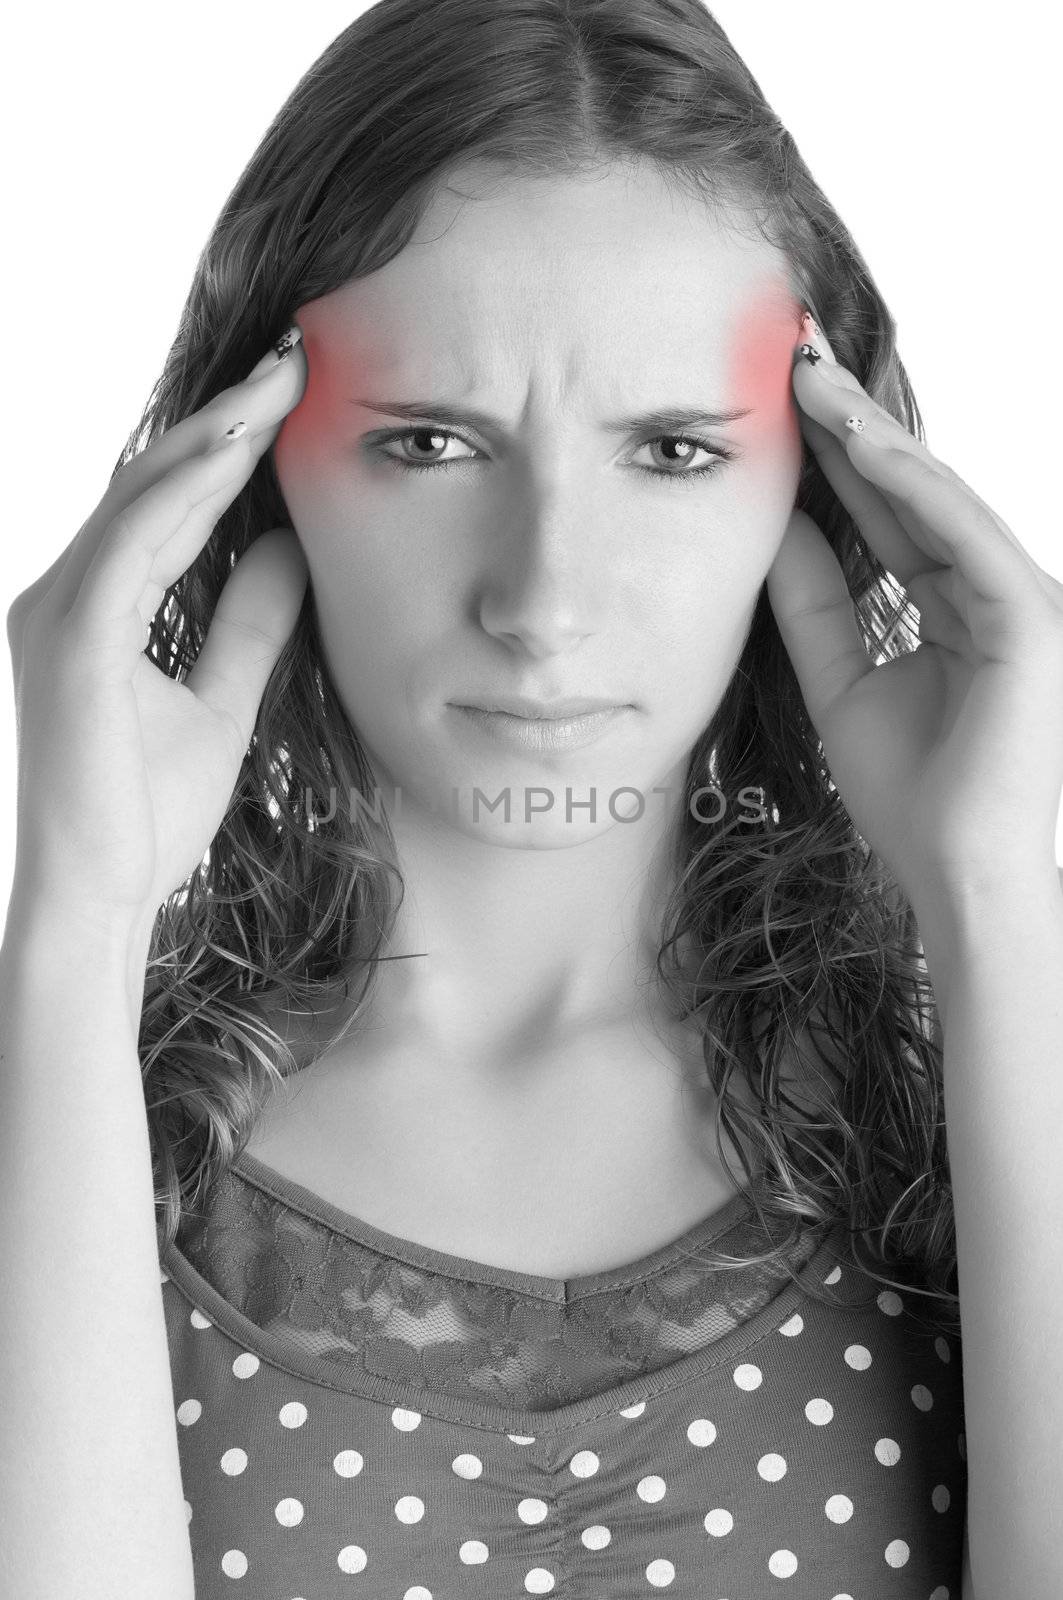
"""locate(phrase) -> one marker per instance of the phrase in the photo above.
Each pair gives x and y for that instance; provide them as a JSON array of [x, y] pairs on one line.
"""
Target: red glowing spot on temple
[[761, 361]]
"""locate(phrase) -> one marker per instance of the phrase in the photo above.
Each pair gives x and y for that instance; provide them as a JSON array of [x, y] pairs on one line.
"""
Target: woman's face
[[567, 549]]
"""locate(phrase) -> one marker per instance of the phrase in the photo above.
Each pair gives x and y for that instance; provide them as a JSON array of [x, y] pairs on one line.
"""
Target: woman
[[452, 1045]]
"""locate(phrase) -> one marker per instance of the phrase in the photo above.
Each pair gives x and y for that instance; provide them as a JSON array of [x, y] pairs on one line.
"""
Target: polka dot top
[[360, 1416]]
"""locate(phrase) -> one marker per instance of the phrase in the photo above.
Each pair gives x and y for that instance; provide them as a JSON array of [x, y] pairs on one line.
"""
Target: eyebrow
[[670, 419]]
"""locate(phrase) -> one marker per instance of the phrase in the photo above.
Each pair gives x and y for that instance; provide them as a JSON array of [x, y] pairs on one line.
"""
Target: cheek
[[699, 612], [370, 599]]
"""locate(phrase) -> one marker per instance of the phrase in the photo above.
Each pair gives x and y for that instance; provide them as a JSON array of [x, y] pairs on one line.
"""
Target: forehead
[[506, 269]]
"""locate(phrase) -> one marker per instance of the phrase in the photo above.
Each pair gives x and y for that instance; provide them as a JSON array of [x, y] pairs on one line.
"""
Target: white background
[[125, 125]]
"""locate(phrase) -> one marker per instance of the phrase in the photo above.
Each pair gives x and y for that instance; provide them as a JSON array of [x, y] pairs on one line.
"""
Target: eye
[[431, 438], [689, 446], [426, 438]]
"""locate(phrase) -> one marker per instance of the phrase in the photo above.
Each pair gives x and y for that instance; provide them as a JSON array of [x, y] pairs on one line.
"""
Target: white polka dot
[[289, 1513], [940, 1499], [922, 1397], [409, 1509], [702, 1431], [467, 1466], [888, 1451], [584, 1464], [839, 1508], [246, 1365], [961, 1446], [651, 1489], [539, 1581], [348, 1464], [890, 1303], [833, 1276], [747, 1376], [719, 1522], [472, 1552], [234, 1563], [352, 1558], [188, 1512], [772, 1468], [234, 1462], [596, 1537], [418, 1592], [532, 1510], [819, 1411], [794, 1326], [405, 1419], [782, 1564], [634, 1411], [942, 1347], [660, 1573], [198, 1320], [521, 1438], [293, 1414], [940, 1593], [842, 1597], [189, 1411], [858, 1356], [897, 1553]]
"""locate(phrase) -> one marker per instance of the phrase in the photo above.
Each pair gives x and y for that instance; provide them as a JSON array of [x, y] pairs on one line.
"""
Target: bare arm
[[125, 774], [91, 1501], [995, 957]]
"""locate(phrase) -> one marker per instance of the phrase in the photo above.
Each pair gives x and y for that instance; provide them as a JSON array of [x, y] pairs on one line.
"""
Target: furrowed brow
[[669, 419]]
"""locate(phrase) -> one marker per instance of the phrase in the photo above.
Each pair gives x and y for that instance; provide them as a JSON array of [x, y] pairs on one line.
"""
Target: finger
[[150, 544], [869, 508], [261, 400], [256, 612], [881, 522], [831, 370], [825, 401], [833, 374], [941, 619], [942, 515], [816, 616]]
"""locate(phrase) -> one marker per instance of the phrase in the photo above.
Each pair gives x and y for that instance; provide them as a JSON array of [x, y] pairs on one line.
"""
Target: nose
[[545, 586]]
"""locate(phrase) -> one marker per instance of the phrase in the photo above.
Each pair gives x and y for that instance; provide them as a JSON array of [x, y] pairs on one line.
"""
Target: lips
[[542, 734], [557, 710]]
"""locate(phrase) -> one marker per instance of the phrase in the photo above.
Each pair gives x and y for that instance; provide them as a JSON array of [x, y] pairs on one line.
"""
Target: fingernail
[[235, 432], [816, 345], [857, 424], [288, 341], [274, 356]]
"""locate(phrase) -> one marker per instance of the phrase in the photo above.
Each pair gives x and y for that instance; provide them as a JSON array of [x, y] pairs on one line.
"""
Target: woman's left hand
[[949, 759]]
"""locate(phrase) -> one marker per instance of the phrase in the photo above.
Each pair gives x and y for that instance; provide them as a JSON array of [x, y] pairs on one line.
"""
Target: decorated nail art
[[287, 342], [225, 440], [811, 354], [857, 424]]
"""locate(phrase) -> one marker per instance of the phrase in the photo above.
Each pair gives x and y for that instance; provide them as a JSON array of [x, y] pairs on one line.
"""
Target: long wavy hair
[[797, 930]]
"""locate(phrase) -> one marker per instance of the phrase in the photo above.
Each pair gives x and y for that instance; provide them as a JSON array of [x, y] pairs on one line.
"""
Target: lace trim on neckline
[[293, 1197], [474, 1339]]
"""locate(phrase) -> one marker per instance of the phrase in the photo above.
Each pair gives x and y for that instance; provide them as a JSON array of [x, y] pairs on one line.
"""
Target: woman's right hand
[[124, 774]]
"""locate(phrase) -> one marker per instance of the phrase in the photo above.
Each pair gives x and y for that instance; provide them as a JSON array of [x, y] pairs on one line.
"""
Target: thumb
[[816, 616], [256, 612]]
